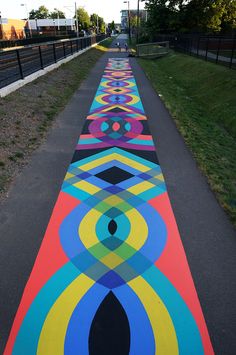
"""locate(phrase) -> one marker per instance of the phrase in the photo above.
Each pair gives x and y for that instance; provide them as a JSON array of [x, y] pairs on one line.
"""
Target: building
[[52, 26], [11, 29], [133, 13], [117, 27]]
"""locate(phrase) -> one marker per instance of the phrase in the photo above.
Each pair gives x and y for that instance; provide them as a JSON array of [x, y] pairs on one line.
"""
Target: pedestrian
[[126, 46], [118, 46]]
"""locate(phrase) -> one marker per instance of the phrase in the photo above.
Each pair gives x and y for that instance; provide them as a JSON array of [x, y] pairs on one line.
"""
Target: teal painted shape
[[189, 339], [28, 336], [141, 142], [104, 126], [123, 227]]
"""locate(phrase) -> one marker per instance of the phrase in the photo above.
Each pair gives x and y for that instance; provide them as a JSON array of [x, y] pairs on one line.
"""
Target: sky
[[108, 9]]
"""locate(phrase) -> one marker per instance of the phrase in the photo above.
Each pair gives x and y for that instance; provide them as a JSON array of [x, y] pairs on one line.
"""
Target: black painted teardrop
[[112, 226], [109, 332]]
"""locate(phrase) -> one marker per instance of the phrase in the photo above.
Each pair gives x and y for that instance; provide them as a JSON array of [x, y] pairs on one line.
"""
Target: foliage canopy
[[207, 16]]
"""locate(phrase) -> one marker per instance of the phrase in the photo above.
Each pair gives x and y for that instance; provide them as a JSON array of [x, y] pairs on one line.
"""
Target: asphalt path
[[207, 235]]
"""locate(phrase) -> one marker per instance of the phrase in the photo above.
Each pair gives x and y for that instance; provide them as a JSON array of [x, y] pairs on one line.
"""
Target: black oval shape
[[110, 332], [112, 226]]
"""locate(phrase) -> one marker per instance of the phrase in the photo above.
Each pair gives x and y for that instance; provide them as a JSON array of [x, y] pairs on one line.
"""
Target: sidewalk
[[208, 237]]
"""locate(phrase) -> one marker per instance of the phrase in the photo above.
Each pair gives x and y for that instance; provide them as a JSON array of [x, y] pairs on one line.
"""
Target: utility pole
[[28, 20], [1, 31], [127, 2], [76, 20], [138, 24]]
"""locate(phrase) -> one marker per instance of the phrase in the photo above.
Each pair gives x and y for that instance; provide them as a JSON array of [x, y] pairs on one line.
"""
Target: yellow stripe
[[134, 100], [52, 337], [138, 231], [87, 228], [141, 187], [162, 326], [114, 156], [99, 98], [87, 187]]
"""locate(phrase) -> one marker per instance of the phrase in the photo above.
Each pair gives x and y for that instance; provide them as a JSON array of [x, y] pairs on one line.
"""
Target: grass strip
[[201, 98], [27, 114]]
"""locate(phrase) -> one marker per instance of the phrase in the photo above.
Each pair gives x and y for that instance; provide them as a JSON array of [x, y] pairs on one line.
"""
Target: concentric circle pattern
[[111, 277]]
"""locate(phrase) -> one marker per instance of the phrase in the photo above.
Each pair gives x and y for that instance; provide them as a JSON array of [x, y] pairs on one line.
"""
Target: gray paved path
[[207, 235]]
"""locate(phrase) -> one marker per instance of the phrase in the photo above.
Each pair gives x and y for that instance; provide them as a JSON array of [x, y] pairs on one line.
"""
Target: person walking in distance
[[118, 46], [126, 47]]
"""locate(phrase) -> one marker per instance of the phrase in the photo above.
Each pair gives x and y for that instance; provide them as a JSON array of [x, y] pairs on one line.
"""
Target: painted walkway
[[111, 276]]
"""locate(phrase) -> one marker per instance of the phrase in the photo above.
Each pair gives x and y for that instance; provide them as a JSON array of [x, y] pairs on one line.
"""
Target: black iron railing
[[18, 63], [217, 49]]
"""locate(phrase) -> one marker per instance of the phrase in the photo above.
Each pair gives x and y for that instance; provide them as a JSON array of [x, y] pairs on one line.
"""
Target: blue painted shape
[[157, 233], [187, 332], [77, 335], [141, 335], [27, 338]]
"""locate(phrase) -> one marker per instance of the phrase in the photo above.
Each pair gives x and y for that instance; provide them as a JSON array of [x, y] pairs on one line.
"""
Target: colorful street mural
[[111, 276]]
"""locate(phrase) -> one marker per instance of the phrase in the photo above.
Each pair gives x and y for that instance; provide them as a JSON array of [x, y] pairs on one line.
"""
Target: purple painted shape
[[131, 109], [84, 175], [111, 280], [92, 146], [115, 143], [144, 176], [114, 189]]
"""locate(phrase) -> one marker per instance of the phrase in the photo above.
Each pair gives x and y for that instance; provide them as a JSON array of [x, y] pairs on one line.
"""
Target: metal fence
[[217, 49], [18, 63], [152, 50]]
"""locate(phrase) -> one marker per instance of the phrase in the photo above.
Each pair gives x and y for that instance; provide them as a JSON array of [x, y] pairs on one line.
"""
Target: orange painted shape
[[50, 258], [173, 264], [116, 126]]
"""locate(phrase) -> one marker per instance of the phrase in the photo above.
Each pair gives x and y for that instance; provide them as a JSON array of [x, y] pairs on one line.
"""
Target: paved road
[[208, 237]]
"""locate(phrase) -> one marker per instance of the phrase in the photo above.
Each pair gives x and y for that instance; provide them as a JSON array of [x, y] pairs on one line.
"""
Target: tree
[[228, 20], [41, 13], [162, 16], [133, 22], [191, 15], [95, 21], [55, 14], [112, 26], [210, 16], [83, 19]]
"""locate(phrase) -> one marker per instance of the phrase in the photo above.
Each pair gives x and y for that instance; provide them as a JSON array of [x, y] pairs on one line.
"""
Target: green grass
[[29, 120], [201, 98]]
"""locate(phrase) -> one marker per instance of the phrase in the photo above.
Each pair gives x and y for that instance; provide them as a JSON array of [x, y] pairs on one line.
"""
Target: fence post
[[232, 55], [190, 45], [63, 44], [77, 45], [41, 58], [207, 48], [19, 64], [198, 44], [71, 48], [54, 53], [218, 50]]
